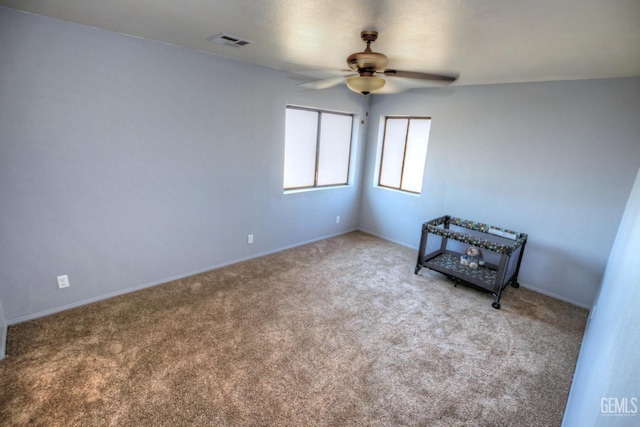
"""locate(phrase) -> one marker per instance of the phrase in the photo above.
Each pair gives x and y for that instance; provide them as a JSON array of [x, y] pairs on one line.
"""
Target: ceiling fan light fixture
[[365, 84]]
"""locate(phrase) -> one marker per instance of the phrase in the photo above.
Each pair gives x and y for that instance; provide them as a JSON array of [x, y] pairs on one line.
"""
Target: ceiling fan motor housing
[[368, 61]]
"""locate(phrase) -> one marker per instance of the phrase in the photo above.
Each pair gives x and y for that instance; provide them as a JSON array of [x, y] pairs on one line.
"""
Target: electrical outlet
[[250, 239], [338, 219], [63, 281]]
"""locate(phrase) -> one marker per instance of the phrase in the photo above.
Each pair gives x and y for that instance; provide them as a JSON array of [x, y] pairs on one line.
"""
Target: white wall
[[126, 162], [609, 367], [555, 160]]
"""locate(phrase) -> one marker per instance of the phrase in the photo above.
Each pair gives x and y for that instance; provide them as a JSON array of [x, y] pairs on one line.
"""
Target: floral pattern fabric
[[450, 264], [481, 242]]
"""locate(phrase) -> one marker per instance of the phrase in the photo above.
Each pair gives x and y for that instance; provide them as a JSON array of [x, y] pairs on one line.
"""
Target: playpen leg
[[423, 247], [496, 304]]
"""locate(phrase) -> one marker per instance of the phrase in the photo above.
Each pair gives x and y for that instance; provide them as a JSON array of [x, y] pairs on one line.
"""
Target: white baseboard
[[44, 313], [397, 242], [532, 288], [33, 316], [3, 341], [552, 295]]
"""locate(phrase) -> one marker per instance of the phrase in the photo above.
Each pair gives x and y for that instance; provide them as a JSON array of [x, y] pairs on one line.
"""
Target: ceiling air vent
[[229, 40]]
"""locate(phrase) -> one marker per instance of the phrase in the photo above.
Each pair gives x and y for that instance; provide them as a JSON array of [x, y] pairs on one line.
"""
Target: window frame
[[316, 173], [404, 153]]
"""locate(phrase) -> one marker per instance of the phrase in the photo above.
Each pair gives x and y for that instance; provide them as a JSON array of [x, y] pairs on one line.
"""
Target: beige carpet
[[338, 332]]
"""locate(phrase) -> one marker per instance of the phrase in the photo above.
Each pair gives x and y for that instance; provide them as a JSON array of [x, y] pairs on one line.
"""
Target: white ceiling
[[485, 41]]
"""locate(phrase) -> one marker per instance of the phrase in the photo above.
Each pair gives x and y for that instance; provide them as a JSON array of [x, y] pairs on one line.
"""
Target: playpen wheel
[[515, 285], [495, 305]]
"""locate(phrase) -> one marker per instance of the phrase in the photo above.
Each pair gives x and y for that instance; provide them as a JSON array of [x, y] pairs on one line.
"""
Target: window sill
[[305, 190], [395, 190]]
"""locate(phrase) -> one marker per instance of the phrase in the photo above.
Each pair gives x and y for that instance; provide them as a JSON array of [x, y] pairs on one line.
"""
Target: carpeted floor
[[334, 333]]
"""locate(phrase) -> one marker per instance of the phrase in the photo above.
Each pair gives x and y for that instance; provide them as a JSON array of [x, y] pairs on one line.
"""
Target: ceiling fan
[[368, 63]]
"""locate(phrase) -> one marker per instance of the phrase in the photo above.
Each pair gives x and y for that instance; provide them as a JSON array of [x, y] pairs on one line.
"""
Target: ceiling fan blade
[[324, 83], [421, 76]]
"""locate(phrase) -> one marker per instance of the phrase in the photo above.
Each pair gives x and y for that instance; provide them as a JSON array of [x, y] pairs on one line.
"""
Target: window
[[404, 152], [317, 148]]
